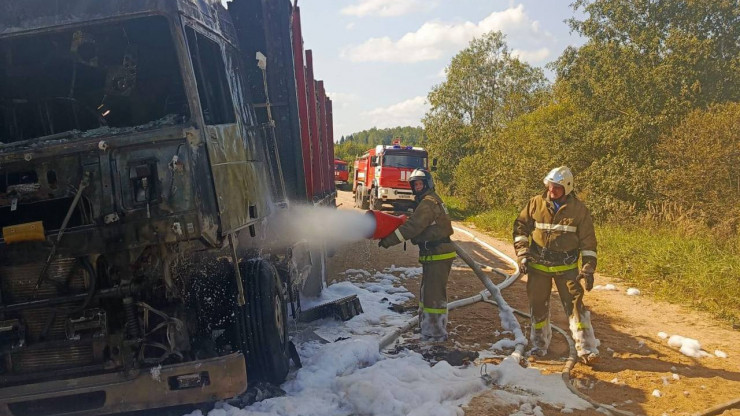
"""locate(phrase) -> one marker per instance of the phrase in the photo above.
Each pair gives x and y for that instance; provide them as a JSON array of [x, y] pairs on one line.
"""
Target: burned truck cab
[[136, 186]]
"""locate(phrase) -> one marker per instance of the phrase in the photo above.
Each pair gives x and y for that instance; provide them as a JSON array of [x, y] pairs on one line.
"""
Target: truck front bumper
[[395, 195], [179, 384]]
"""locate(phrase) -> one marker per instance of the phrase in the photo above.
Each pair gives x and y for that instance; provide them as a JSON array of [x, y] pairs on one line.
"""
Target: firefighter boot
[[433, 326], [539, 336], [433, 300], [585, 340]]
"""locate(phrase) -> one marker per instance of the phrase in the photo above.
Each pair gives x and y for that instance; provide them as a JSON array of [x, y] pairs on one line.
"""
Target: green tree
[[486, 88], [646, 65], [700, 166], [358, 143]]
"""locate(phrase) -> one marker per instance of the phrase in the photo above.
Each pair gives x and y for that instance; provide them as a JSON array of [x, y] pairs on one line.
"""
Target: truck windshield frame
[[117, 74], [404, 160]]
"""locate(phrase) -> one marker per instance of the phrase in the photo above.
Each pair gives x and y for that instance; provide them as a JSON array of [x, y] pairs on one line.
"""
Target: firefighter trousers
[[539, 286], [433, 299]]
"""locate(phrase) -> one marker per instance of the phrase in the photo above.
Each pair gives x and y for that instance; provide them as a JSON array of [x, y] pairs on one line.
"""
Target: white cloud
[[342, 99], [405, 113], [442, 74], [437, 39], [387, 8], [538, 55], [350, 26]]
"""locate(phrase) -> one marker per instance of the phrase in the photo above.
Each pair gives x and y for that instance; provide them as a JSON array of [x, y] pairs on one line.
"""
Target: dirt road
[[635, 360]]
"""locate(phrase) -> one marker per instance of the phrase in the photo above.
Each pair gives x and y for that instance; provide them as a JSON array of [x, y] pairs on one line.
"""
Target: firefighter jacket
[[429, 227], [557, 238]]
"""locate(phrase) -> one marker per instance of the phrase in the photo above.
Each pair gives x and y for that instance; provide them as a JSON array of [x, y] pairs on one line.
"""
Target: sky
[[380, 58]]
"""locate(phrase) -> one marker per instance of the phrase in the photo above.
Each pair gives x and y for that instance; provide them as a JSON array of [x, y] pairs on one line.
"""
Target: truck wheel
[[364, 200], [375, 202], [314, 284], [263, 322]]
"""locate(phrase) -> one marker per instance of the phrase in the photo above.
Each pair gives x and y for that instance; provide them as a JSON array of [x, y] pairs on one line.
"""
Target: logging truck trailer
[[148, 150]]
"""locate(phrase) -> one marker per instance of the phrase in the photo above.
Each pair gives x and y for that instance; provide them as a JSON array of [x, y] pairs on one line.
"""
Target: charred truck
[[148, 149]]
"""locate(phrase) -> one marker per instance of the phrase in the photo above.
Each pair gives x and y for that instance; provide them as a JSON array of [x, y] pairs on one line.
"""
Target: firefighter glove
[[385, 242], [523, 265], [589, 278]]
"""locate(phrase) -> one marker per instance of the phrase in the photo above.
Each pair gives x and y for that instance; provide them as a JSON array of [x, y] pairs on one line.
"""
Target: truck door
[[238, 173]]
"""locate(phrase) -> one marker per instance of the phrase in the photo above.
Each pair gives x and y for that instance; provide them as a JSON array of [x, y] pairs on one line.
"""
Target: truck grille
[[48, 359], [19, 282], [45, 324], [36, 321]]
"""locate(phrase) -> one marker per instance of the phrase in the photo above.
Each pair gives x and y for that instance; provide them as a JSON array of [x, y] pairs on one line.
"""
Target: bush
[[700, 166]]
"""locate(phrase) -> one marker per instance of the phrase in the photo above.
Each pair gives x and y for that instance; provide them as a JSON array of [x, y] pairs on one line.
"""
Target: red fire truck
[[341, 173], [381, 176]]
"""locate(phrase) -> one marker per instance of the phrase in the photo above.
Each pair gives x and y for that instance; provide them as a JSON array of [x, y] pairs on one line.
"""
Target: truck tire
[[375, 202], [364, 199], [314, 284], [262, 322]]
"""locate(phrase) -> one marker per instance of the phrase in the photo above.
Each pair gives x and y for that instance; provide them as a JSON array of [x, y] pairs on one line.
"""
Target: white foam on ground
[[406, 272], [350, 376], [688, 346]]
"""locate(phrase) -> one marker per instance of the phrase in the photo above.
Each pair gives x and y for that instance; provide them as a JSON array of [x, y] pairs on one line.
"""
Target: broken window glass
[[210, 74], [116, 74]]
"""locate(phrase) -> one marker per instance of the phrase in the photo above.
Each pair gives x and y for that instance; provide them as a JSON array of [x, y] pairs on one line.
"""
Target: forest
[[353, 145]]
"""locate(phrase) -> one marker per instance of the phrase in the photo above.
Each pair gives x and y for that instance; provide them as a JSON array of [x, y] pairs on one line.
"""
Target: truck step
[[343, 309]]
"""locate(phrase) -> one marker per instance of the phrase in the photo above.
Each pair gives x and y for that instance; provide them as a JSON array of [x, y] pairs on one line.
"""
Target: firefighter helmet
[[561, 176], [424, 176]]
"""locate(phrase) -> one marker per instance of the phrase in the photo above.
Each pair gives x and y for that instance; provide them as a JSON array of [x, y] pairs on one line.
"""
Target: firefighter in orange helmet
[[550, 234], [430, 228]]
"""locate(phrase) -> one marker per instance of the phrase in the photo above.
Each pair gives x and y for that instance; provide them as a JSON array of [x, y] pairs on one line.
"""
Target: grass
[[662, 261]]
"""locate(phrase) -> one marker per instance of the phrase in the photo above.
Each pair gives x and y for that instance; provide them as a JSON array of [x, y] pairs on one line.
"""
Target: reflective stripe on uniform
[[540, 325], [555, 227], [582, 325], [438, 311], [399, 235], [554, 269], [437, 257], [520, 238], [588, 253]]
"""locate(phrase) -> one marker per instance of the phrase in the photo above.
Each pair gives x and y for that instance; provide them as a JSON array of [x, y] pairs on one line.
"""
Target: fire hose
[[572, 356], [386, 224], [505, 311]]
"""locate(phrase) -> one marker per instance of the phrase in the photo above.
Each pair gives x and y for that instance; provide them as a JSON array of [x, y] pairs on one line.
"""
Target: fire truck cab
[[381, 176], [341, 173]]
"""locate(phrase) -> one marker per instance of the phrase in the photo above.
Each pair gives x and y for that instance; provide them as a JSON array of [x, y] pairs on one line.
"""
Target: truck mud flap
[[343, 309]]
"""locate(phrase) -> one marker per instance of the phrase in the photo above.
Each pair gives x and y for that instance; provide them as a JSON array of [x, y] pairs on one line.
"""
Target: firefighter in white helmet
[[430, 228], [550, 234]]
